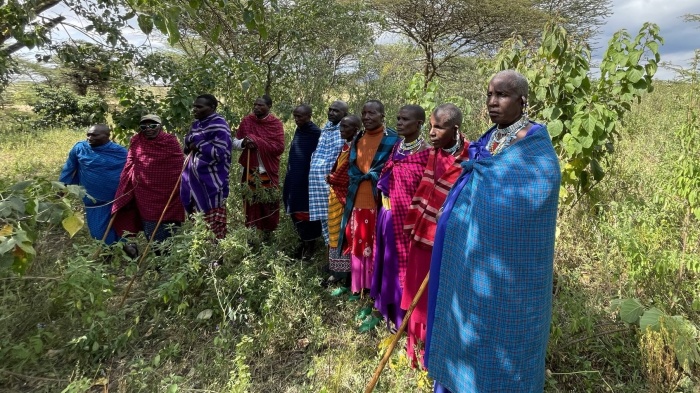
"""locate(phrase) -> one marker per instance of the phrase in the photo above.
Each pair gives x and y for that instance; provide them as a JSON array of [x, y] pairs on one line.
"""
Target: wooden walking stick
[[104, 237], [390, 349], [153, 234], [247, 172]]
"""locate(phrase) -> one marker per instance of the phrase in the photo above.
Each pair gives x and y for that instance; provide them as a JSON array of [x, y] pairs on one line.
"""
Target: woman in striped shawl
[[449, 150]]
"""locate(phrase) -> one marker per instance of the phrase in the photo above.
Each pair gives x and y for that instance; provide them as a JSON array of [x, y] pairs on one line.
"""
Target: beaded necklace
[[502, 137], [411, 147], [454, 148]]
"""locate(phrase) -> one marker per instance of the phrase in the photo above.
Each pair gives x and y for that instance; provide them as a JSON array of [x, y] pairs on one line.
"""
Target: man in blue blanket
[[490, 287], [96, 164], [295, 192]]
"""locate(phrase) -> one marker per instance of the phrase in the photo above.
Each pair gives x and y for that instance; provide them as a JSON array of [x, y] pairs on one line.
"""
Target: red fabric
[[360, 233], [301, 216], [339, 180], [418, 267], [262, 215], [150, 174], [405, 177], [216, 221], [268, 135], [440, 174]]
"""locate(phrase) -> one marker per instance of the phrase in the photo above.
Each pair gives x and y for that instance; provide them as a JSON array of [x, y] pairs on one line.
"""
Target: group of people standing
[[478, 218]]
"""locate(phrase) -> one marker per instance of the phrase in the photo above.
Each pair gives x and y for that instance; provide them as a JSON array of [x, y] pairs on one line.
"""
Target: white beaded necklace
[[411, 147], [454, 148], [502, 137]]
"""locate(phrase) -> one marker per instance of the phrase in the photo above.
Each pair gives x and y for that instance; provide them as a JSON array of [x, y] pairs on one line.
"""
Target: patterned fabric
[[329, 145], [295, 192], [404, 176], [149, 177], [338, 262], [441, 171], [494, 296], [98, 170], [356, 176], [338, 181], [205, 179], [216, 221], [268, 135], [262, 215]]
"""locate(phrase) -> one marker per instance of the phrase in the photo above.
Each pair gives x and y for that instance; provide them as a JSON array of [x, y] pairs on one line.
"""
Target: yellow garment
[[335, 208]]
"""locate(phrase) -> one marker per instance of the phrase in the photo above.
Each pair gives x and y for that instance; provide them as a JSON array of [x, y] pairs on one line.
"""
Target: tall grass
[[262, 323]]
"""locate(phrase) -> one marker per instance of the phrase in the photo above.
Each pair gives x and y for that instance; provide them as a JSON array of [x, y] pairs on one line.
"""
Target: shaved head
[[416, 111], [515, 81], [100, 128]]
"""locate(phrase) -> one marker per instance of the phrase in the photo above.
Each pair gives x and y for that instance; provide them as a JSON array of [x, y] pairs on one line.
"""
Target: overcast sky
[[681, 38]]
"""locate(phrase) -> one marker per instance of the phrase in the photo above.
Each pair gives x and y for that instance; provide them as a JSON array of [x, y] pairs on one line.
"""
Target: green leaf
[[650, 319], [597, 170], [631, 310], [172, 388], [205, 314], [555, 128], [145, 23], [651, 68], [635, 74], [73, 223]]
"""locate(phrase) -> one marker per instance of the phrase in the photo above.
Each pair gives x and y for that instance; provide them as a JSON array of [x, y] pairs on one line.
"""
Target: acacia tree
[[447, 29], [580, 18], [307, 42]]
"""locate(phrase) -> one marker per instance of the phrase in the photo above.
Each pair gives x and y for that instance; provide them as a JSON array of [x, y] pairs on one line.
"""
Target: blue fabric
[[329, 145], [98, 170], [205, 184], [493, 305], [295, 193]]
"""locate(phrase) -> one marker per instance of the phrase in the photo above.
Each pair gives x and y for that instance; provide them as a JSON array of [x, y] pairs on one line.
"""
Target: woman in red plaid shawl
[[397, 184], [153, 166], [449, 150]]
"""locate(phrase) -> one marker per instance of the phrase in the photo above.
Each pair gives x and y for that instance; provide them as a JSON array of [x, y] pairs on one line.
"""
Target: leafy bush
[[62, 107]]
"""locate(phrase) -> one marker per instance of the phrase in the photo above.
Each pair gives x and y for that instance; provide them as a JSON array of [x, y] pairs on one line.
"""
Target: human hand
[[249, 143], [328, 178]]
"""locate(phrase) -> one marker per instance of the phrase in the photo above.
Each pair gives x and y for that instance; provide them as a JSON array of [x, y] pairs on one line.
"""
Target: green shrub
[[62, 107]]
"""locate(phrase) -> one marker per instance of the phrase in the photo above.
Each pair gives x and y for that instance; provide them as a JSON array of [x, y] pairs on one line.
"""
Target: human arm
[[69, 173]]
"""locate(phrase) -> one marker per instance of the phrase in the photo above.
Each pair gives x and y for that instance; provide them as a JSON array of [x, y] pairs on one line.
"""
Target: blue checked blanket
[[494, 297], [329, 145]]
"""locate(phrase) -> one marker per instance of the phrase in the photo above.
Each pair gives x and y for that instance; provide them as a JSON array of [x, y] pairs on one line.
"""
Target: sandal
[[363, 313], [369, 324], [339, 291]]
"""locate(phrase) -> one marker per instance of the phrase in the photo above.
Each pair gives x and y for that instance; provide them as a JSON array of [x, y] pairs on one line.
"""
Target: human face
[[260, 108], [504, 105], [97, 137], [372, 117], [201, 109], [348, 129], [407, 125], [336, 112], [442, 132], [301, 116], [150, 129]]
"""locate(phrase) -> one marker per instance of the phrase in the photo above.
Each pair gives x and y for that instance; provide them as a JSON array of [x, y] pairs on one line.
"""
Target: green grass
[[274, 329]]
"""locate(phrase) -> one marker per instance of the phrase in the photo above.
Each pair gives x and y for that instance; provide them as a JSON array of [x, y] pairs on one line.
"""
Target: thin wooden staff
[[246, 174], [390, 349], [153, 234], [104, 237]]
